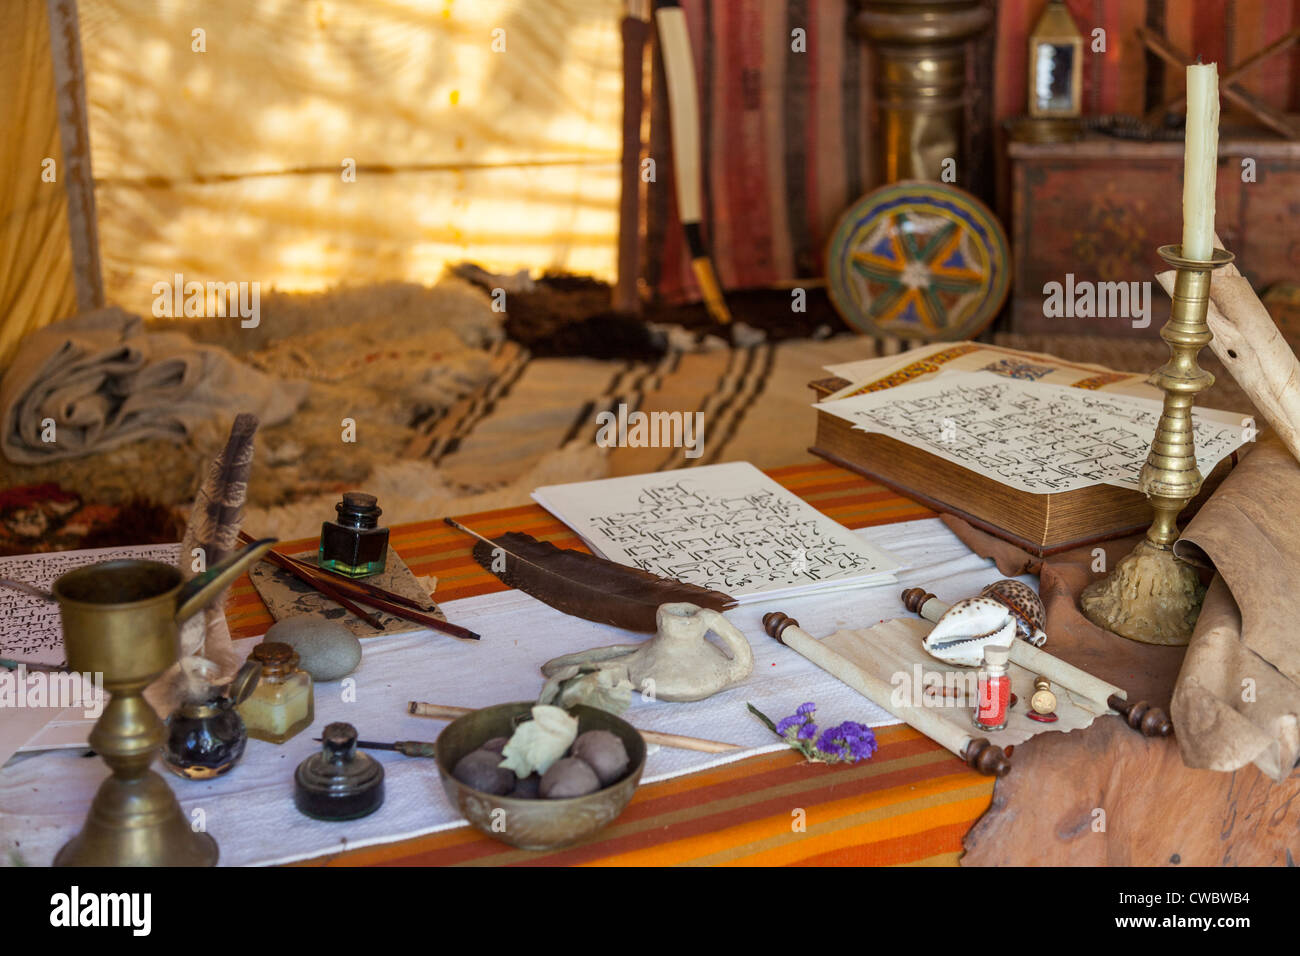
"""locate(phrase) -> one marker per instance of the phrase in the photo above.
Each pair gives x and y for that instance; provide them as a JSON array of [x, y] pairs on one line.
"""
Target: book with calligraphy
[[1040, 452]]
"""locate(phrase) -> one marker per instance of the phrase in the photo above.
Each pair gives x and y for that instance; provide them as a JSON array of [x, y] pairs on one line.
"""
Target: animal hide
[[587, 586], [214, 528]]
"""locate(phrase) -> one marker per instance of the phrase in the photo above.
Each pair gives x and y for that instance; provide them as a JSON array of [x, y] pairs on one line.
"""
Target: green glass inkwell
[[354, 545]]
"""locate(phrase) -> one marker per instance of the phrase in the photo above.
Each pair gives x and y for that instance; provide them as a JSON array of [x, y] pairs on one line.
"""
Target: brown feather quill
[[584, 585], [213, 528], [218, 510]]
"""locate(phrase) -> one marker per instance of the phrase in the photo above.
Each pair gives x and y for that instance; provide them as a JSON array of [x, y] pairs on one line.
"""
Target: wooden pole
[[635, 31], [74, 132]]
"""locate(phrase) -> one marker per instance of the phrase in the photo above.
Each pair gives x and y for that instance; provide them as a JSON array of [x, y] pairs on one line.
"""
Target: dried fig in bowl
[[569, 777], [482, 770], [603, 752]]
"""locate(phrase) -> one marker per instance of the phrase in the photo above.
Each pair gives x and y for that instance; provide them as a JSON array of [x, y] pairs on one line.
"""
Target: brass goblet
[[121, 619]]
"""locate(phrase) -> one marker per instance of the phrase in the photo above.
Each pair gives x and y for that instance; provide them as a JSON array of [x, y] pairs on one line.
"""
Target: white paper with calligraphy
[[1032, 436], [32, 632], [727, 527], [30, 629]]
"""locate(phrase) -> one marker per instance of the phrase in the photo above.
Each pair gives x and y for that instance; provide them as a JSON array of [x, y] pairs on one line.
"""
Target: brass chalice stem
[[1152, 596]]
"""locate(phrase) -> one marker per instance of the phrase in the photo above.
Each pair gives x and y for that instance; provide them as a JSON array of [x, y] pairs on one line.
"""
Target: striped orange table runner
[[910, 804]]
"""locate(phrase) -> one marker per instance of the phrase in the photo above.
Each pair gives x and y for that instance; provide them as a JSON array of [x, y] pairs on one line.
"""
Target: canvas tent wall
[[304, 144]]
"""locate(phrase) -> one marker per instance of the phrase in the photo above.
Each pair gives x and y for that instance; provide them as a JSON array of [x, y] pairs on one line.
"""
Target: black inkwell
[[354, 545], [340, 782]]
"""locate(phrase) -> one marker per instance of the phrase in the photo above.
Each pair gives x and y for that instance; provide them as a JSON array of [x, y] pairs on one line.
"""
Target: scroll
[[888, 665], [1249, 345], [1141, 716], [978, 752]]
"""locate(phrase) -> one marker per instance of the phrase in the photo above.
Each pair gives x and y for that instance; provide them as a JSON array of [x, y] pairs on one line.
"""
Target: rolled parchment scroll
[[978, 753], [1141, 716]]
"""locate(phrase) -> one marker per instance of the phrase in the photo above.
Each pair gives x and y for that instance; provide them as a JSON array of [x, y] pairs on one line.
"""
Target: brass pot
[[538, 824]]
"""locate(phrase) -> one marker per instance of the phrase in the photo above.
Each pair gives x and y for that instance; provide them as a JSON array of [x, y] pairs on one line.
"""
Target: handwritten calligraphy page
[[30, 628], [727, 527], [32, 632], [1032, 436]]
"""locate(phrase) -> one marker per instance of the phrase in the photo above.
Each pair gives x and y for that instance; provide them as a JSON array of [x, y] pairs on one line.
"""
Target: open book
[[1039, 451]]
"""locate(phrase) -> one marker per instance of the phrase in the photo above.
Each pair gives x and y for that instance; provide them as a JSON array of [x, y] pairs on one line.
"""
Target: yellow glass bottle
[[283, 702]]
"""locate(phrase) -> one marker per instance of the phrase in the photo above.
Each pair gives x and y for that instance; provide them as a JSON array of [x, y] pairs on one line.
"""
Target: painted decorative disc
[[920, 260]]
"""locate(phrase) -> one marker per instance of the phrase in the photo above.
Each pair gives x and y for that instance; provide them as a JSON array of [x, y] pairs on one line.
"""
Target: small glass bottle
[[354, 545], [282, 704], [994, 690], [205, 734]]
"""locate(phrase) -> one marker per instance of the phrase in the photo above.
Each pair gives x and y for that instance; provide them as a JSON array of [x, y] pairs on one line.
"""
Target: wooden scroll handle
[[774, 622], [986, 758], [1140, 715], [1147, 720], [914, 599]]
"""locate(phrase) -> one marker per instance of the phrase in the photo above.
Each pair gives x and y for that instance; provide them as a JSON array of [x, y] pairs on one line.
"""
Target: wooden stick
[[433, 623], [29, 589], [356, 589], [11, 665], [74, 137], [448, 712], [978, 753]]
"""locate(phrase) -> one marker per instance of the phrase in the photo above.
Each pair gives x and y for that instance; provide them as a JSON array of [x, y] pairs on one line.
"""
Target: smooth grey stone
[[326, 649]]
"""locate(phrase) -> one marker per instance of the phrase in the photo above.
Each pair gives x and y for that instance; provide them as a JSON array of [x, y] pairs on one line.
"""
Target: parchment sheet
[[1237, 699]]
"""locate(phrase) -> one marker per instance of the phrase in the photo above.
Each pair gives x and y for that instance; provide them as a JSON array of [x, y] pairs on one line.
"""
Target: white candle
[[1200, 158]]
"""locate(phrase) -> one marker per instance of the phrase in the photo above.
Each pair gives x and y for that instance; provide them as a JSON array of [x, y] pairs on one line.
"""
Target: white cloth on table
[[250, 811]]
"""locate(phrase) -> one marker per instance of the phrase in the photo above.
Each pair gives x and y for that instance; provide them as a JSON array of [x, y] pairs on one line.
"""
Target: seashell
[[1025, 604], [969, 626]]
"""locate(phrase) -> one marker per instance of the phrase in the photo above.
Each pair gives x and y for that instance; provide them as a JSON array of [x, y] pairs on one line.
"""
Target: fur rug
[[379, 357]]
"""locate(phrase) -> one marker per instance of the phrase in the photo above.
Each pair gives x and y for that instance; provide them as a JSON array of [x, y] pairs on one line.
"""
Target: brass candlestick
[[120, 619], [1152, 596]]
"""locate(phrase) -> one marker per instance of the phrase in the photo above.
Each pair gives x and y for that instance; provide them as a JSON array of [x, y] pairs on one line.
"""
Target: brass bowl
[[538, 824]]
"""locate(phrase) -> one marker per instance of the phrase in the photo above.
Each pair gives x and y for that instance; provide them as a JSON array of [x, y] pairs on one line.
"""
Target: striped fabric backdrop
[[783, 141]]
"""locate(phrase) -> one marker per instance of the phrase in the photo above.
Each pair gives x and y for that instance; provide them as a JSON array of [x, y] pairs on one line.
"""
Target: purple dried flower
[[829, 745], [786, 724], [848, 741]]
